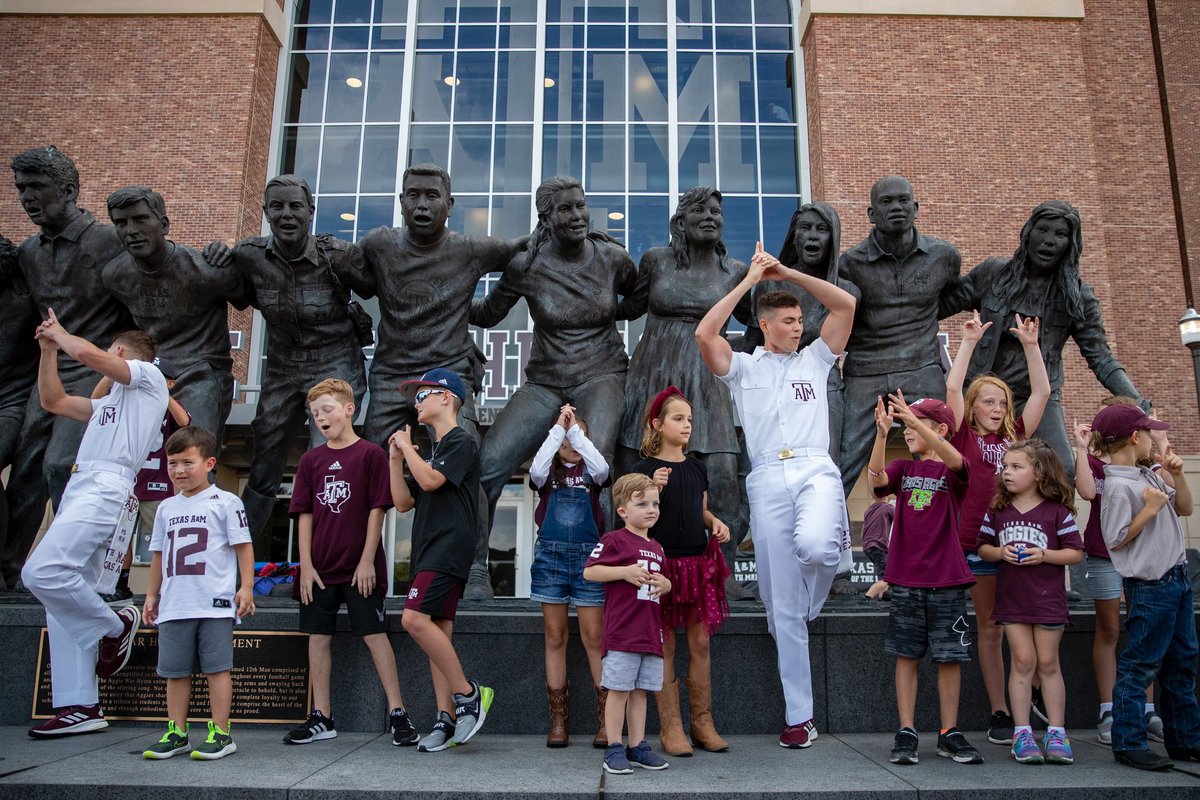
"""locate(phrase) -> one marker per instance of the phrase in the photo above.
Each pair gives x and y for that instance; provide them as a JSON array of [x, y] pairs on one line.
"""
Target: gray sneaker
[[1154, 726], [470, 711], [1104, 728], [441, 737], [173, 742]]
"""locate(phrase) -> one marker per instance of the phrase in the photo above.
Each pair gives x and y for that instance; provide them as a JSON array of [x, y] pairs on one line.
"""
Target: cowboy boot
[[704, 733], [670, 727], [600, 740], [559, 727]]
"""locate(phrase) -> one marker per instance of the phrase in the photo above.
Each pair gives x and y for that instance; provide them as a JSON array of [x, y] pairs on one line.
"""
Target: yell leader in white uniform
[[87, 638], [797, 510]]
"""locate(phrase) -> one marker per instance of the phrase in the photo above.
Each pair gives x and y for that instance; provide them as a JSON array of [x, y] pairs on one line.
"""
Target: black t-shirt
[[444, 528], [680, 527]]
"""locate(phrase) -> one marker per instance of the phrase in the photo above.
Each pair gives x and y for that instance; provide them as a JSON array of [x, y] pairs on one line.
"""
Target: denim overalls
[[565, 540]]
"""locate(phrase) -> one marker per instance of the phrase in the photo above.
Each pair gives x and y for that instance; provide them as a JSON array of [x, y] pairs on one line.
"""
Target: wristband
[[873, 473]]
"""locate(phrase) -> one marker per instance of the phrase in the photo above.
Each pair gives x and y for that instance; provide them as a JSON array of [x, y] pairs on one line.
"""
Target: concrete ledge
[[269, 10]]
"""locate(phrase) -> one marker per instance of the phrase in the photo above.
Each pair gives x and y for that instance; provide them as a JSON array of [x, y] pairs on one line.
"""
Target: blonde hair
[[629, 486], [1008, 426], [651, 436], [340, 390]]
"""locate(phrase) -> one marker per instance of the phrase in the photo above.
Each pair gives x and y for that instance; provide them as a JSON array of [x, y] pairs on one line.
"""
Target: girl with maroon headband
[[694, 565]]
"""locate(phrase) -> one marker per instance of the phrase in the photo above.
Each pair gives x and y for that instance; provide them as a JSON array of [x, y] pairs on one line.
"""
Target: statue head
[[48, 186], [140, 217], [425, 201], [1051, 241], [893, 206], [812, 241], [288, 205], [562, 210], [698, 221]]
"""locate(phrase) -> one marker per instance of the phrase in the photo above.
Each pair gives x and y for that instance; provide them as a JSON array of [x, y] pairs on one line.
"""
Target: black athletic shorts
[[435, 593], [320, 616], [930, 621]]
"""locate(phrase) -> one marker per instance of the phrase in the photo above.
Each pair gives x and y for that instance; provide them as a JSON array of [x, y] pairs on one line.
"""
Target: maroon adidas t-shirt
[[1093, 539], [154, 479], [984, 454], [924, 551], [340, 488], [632, 621], [1036, 593]]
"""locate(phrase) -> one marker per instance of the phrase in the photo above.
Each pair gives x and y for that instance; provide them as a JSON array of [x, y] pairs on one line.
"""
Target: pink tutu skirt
[[697, 590]]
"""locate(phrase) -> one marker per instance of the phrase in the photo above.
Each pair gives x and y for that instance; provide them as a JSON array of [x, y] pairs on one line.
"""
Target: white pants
[[796, 516], [62, 573]]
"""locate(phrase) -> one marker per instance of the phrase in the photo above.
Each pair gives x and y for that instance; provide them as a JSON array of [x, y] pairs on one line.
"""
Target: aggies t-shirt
[[632, 620], [680, 527], [1034, 593], [985, 455], [340, 488], [196, 536], [446, 519], [924, 551], [1093, 539]]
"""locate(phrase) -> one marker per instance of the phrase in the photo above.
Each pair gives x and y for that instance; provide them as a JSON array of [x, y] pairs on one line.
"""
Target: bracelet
[[873, 473]]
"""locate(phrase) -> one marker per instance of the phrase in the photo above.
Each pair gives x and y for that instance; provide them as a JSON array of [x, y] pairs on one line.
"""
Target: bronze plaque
[[270, 681]]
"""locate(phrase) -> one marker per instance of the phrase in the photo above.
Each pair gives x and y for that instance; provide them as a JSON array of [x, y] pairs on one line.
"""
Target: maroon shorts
[[435, 593]]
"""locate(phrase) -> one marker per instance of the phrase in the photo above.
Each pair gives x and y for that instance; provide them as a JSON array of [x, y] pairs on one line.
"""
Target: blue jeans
[[1162, 638]]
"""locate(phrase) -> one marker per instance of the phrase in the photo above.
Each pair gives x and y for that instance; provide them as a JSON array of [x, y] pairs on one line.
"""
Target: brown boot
[[558, 736], [670, 727], [704, 733], [600, 740]]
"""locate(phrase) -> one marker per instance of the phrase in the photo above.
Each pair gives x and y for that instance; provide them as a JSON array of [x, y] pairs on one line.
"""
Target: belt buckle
[[786, 453], [74, 468]]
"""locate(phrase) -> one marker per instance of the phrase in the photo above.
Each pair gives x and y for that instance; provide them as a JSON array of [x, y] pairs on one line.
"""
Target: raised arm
[[972, 332], [875, 465], [110, 365], [714, 348], [53, 396], [1039, 381], [835, 331], [1085, 482], [947, 452], [1093, 346]]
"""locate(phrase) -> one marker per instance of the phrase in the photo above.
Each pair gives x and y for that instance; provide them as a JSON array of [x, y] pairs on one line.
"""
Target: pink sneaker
[[795, 737], [70, 721], [115, 650]]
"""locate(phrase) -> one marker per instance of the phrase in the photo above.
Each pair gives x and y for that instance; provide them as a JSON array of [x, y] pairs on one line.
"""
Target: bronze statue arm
[[1093, 345], [493, 308]]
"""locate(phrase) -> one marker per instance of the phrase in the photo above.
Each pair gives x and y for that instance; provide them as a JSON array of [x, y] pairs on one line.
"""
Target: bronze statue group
[[840, 347]]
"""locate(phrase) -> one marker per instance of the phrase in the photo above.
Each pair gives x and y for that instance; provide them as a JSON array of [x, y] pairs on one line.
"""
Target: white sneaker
[[1104, 728], [1154, 726]]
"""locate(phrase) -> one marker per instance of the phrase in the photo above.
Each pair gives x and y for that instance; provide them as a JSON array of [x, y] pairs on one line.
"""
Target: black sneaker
[[1143, 759], [952, 744], [905, 749], [1000, 730], [1037, 707], [403, 732], [315, 728]]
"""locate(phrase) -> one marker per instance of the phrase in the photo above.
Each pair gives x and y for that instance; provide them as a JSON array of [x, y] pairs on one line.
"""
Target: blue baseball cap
[[441, 378]]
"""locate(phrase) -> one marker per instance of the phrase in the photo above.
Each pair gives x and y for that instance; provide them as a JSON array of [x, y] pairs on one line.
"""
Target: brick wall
[[988, 118], [1179, 27], [182, 104]]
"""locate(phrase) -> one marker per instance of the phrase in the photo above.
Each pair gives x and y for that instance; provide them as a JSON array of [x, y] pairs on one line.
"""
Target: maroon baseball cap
[[1116, 422], [936, 410]]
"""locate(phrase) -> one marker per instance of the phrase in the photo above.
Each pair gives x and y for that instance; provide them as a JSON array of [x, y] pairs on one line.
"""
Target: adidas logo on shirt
[[335, 465]]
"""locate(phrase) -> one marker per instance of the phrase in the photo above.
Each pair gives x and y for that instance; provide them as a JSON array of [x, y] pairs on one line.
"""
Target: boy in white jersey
[[87, 638], [201, 546]]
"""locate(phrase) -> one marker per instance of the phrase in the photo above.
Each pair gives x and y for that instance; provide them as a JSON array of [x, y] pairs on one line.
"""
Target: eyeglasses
[[424, 393]]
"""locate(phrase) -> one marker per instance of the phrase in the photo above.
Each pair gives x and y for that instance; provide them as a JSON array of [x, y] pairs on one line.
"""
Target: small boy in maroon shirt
[[629, 564], [926, 567]]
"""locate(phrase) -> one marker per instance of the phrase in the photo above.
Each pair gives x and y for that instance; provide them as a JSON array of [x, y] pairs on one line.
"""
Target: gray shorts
[[1103, 580], [932, 621], [188, 646], [624, 672]]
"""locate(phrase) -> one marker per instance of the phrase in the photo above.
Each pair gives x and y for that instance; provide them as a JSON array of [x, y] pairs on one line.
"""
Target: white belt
[[787, 453], [105, 466]]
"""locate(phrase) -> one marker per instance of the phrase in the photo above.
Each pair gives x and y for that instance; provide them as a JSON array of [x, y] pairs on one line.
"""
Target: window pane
[[650, 36], [514, 158], [735, 88], [476, 11], [517, 36], [351, 38], [564, 10], [731, 38], [391, 11], [697, 166], [344, 102], [381, 144], [352, 11], [300, 149], [733, 12], [383, 87], [471, 157], [739, 161], [648, 150], [562, 150], [564, 37], [477, 37], [648, 217], [694, 10], [608, 214], [306, 89], [694, 37], [329, 217], [310, 38], [374, 212], [605, 86], [606, 36], [389, 37], [436, 11], [605, 158], [647, 10], [470, 214], [518, 11], [778, 154], [339, 160], [741, 226], [564, 99], [435, 37], [510, 216], [648, 86], [775, 85], [606, 10], [431, 94], [772, 11], [774, 38], [695, 87], [777, 215], [314, 11], [476, 87], [429, 144], [514, 86]]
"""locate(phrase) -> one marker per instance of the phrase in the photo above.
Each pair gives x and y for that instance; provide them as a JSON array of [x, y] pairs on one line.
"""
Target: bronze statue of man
[[179, 299], [573, 280], [61, 267], [1042, 280], [903, 276]]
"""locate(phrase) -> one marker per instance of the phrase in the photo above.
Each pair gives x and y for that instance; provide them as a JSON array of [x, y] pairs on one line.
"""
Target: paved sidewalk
[[360, 766]]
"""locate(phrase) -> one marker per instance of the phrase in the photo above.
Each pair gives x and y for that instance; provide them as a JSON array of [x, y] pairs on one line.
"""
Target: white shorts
[[624, 672]]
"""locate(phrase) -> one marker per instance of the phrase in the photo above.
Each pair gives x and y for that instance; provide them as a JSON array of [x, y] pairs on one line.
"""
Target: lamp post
[[1189, 332]]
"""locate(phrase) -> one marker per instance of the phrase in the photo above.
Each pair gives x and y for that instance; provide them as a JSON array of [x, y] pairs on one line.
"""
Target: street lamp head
[[1189, 328]]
